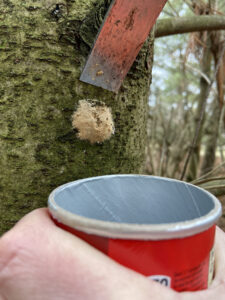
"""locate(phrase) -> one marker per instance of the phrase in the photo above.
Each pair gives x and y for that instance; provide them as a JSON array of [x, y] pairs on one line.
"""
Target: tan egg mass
[[93, 120]]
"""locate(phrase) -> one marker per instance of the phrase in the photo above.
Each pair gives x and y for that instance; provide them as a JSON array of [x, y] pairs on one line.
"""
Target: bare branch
[[188, 3], [179, 25], [173, 9], [209, 180], [209, 173], [207, 79], [215, 187]]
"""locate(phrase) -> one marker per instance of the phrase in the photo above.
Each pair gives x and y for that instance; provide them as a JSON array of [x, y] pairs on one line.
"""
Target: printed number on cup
[[164, 280]]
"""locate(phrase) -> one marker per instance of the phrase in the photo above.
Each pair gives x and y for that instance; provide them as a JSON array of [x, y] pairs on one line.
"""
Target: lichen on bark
[[41, 58]]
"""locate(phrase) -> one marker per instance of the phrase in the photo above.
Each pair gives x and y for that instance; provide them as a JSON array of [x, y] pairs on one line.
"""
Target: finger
[[219, 257], [21, 235], [210, 294], [38, 217]]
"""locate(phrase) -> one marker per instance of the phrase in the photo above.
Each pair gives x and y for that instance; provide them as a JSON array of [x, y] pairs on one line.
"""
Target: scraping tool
[[124, 30]]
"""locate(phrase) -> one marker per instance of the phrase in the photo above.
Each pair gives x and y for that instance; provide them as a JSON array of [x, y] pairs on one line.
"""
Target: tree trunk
[[206, 69], [213, 126], [212, 132], [44, 46]]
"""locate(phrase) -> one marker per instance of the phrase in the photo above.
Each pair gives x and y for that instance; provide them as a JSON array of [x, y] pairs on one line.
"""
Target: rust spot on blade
[[129, 22]]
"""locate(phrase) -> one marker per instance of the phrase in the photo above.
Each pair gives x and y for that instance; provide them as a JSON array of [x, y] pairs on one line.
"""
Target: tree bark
[[44, 46], [179, 25]]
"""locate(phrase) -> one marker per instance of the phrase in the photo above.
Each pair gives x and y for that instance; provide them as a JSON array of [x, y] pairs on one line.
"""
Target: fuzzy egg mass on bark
[[93, 120]]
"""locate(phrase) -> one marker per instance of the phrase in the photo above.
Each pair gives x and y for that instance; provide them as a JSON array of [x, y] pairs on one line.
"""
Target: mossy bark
[[43, 48]]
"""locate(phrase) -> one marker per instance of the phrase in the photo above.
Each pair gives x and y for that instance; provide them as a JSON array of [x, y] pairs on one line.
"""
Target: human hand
[[38, 260]]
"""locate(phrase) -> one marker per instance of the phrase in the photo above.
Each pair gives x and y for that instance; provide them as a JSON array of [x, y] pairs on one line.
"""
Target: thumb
[[220, 257]]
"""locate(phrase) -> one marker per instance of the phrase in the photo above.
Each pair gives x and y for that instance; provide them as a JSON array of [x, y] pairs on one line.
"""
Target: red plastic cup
[[159, 227]]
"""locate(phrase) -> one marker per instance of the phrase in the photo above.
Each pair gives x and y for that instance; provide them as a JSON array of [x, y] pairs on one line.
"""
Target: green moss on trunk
[[41, 57]]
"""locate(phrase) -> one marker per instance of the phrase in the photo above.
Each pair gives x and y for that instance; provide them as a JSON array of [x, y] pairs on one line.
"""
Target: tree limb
[[202, 114], [209, 180], [179, 25]]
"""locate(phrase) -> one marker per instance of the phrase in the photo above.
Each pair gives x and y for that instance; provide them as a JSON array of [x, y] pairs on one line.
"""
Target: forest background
[[186, 126]]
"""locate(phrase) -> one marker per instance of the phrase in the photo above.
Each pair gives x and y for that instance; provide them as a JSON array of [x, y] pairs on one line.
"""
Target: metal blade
[[125, 29]]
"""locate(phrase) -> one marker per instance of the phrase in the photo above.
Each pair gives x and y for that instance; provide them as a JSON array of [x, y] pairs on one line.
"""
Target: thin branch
[[151, 162], [221, 130], [209, 180], [215, 187], [194, 142], [188, 3], [166, 12], [209, 173], [173, 8], [162, 158], [179, 25], [207, 79], [221, 152]]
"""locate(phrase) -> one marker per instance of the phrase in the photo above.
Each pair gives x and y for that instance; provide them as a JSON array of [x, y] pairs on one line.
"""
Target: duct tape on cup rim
[[162, 228]]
